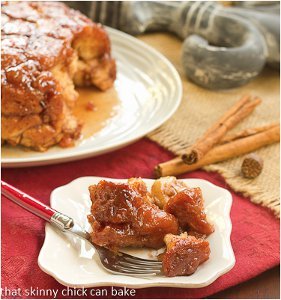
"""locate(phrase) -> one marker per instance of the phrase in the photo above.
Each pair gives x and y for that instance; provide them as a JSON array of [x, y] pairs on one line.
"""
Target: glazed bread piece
[[47, 49], [186, 204], [184, 254], [188, 207], [122, 215], [164, 188]]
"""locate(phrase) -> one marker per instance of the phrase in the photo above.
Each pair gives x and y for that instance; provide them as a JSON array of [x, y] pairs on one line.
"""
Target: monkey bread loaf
[[47, 49]]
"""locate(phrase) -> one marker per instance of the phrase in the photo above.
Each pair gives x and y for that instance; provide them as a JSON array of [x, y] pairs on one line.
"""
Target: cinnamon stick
[[246, 132], [221, 152], [215, 133]]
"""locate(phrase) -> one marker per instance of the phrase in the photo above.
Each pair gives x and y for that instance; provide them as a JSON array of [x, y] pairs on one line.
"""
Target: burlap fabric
[[200, 108]]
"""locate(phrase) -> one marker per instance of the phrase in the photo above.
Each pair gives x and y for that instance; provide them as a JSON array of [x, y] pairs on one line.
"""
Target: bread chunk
[[122, 216], [188, 207], [166, 187], [184, 254], [46, 50]]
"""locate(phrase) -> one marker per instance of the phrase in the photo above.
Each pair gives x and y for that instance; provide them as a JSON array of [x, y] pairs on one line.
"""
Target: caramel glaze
[[125, 215], [95, 108], [121, 217], [187, 206], [184, 254]]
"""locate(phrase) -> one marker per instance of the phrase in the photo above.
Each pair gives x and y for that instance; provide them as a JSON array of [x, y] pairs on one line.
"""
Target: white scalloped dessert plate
[[73, 262], [149, 91]]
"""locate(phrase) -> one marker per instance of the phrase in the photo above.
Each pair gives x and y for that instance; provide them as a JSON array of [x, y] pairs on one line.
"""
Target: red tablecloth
[[255, 235]]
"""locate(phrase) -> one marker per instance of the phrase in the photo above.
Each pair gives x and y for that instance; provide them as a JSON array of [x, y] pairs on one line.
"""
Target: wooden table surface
[[265, 286]]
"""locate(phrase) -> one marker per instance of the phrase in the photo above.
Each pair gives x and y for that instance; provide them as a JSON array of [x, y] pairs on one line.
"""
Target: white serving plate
[[73, 262], [150, 91]]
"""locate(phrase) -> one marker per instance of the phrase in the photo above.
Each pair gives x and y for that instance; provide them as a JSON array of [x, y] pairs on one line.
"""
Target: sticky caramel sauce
[[102, 109], [95, 109]]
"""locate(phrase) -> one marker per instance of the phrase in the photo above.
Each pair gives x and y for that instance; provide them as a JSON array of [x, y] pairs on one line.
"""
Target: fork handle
[[36, 207]]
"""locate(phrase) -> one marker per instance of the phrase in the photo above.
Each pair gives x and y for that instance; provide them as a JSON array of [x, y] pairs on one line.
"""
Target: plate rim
[[103, 283], [61, 157]]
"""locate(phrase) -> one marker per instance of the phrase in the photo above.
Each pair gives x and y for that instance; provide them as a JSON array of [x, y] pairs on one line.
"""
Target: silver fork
[[114, 262]]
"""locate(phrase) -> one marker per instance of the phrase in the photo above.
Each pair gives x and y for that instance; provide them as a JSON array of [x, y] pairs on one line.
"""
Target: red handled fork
[[117, 263]]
